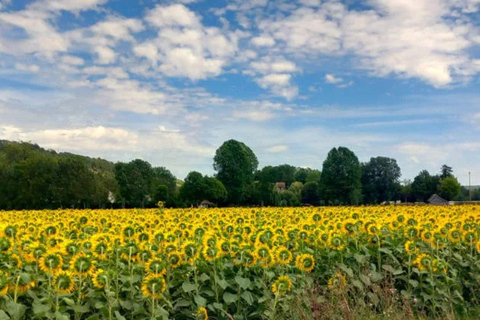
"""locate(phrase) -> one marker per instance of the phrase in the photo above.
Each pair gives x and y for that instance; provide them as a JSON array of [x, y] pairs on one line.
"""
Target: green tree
[[214, 190], [449, 188], [197, 188], [304, 175], [310, 193], [192, 192], [446, 171], [380, 180], [340, 180], [135, 182], [424, 185], [235, 164]]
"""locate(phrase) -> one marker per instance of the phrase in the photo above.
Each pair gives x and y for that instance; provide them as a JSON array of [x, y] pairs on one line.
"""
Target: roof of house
[[436, 199]]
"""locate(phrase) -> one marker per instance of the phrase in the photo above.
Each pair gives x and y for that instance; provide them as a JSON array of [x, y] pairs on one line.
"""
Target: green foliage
[[197, 188], [340, 180], [235, 164], [424, 185], [380, 180], [31, 177], [311, 193], [449, 188]]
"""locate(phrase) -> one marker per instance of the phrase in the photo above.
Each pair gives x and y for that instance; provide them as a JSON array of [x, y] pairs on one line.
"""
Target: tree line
[[34, 178]]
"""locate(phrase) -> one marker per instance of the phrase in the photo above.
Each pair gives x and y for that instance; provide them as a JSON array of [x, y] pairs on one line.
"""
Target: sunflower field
[[237, 263]]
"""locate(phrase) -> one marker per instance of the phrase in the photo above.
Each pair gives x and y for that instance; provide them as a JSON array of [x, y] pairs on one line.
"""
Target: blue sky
[[169, 81]]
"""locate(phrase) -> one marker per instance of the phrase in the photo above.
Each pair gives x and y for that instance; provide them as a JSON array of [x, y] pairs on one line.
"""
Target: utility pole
[[469, 187]]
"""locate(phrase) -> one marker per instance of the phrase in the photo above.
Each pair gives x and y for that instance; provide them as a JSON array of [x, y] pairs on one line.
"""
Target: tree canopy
[[340, 180], [235, 164]]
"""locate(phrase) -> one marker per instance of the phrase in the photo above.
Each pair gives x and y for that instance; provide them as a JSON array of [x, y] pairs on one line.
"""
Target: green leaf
[[360, 258], [200, 301], [413, 283], [244, 283], [3, 315], [15, 310], [40, 308], [204, 277], [357, 284], [182, 303], [376, 276], [81, 309], [119, 316], [188, 287], [223, 283], [61, 316], [347, 270], [365, 280], [373, 297], [388, 268], [69, 301], [229, 298], [218, 306], [248, 297]]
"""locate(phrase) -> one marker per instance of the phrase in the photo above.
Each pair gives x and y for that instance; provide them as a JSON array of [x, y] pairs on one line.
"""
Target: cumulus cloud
[[422, 39], [183, 46]]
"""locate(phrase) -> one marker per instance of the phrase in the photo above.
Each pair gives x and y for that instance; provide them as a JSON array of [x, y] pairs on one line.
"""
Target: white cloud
[[176, 15], [105, 55], [254, 115], [68, 5], [277, 148], [72, 60], [29, 68], [263, 41], [422, 39], [184, 47], [330, 78]]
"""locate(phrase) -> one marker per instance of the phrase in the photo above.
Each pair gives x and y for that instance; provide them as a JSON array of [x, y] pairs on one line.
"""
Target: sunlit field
[[241, 263]]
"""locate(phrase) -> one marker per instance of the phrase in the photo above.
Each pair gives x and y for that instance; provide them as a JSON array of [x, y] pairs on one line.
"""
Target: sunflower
[[283, 256], [157, 267], [282, 285], [100, 278], [174, 259], [478, 246], [81, 264], [337, 282], [153, 286], [3, 283], [210, 253], [337, 242], [51, 262], [410, 247], [5, 244], [305, 262], [63, 282], [201, 314]]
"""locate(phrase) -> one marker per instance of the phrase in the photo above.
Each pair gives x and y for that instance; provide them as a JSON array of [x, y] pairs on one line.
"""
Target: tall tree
[[340, 180], [310, 193], [446, 171], [380, 180], [135, 182], [197, 187], [449, 188], [424, 185], [235, 164]]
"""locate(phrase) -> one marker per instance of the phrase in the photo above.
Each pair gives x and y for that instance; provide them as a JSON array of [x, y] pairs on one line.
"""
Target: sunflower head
[[201, 314], [153, 286], [305, 262], [81, 264], [100, 278], [337, 282], [63, 282], [282, 285]]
